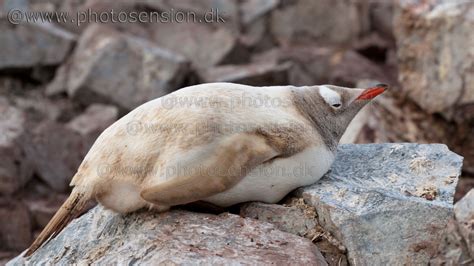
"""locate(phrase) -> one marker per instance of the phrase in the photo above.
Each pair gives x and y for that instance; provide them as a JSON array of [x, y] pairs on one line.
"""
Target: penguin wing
[[223, 168]]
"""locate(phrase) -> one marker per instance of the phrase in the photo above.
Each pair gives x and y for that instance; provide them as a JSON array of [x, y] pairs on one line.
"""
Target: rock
[[325, 22], [374, 47], [256, 74], [15, 171], [255, 20], [29, 45], [464, 213], [381, 18], [251, 10], [43, 209], [349, 67], [95, 119], [176, 237], [387, 203], [15, 232], [203, 44], [37, 107], [288, 219], [298, 218], [222, 13], [55, 152], [435, 54], [322, 65], [465, 185], [459, 239], [111, 67]]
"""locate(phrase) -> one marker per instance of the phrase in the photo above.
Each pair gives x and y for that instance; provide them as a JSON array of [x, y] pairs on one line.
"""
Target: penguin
[[220, 143]]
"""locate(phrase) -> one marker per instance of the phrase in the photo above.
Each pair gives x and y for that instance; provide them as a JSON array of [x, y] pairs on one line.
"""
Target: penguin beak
[[370, 93]]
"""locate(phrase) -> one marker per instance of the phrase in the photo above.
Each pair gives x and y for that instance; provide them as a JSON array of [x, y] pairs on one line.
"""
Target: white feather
[[331, 97]]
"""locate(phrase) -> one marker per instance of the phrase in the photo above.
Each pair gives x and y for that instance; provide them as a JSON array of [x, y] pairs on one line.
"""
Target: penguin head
[[337, 106], [343, 101]]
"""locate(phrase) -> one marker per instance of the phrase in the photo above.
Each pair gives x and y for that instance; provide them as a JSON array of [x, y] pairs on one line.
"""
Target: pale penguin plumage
[[221, 143]]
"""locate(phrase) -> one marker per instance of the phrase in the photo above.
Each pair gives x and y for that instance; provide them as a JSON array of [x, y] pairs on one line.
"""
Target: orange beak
[[371, 93]]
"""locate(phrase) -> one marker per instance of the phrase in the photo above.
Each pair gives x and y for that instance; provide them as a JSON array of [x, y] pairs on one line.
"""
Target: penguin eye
[[336, 105]]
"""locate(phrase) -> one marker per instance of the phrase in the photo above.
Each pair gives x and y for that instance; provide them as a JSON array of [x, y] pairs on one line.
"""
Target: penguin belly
[[272, 181]]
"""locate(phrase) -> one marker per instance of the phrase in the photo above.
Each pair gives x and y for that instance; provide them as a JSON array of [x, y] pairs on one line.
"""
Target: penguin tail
[[71, 208]]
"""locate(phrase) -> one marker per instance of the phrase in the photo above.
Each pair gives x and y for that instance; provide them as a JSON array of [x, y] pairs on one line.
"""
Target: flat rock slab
[[177, 237], [387, 203]]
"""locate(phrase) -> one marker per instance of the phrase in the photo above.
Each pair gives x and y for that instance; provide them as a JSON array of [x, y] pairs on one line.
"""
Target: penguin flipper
[[224, 168]]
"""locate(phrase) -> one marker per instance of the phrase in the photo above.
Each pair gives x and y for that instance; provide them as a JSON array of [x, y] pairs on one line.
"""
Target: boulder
[[176, 237], [387, 203], [323, 65], [326, 22], [457, 246], [15, 170], [222, 13], [42, 208], [464, 213], [55, 152], [90, 124], [298, 218], [255, 16], [205, 45], [290, 219], [436, 56], [15, 232], [381, 18], [111, 67], [255, 74], [29, 45]]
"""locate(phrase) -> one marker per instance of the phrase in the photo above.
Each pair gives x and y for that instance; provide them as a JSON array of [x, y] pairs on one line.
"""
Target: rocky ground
[[62, 84]]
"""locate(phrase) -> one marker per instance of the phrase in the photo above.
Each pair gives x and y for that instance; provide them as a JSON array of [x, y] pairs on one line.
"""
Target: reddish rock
[[175, 237], [316, 65], [43, 209], [55, 152], [95, 119], [15, 170], [464, 213], [256, 74], [15, 229]]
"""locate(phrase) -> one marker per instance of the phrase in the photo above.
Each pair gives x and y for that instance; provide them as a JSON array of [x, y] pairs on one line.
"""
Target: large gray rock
[[176, 237], [15, 171], [111, 67], [436, 54], [33, 44], [387, 203]]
